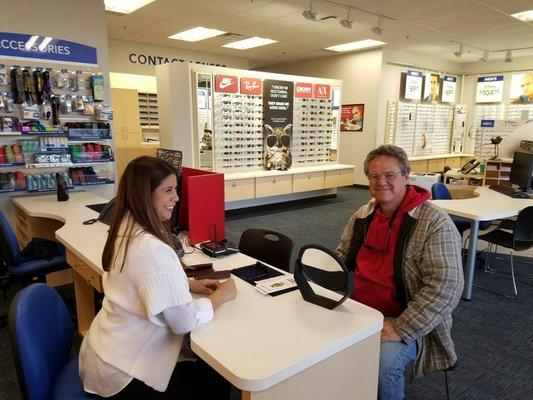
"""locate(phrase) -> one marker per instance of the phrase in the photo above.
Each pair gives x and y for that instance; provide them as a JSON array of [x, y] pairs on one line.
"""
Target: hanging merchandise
[[79, 104], [26, 83], [9, 103], [97, 86], [46, 110], [74, 81], [3, 75], [38, 83], [47, 86], [2, 104], [61, 79], [88, 108], [56, 104], [14, 85]]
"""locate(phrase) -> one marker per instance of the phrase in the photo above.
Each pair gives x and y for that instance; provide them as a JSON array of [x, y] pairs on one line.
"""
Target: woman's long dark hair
[[140, 178]]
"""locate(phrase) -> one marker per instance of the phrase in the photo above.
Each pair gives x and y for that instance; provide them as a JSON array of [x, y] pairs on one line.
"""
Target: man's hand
[[388, 334], [203, 286]]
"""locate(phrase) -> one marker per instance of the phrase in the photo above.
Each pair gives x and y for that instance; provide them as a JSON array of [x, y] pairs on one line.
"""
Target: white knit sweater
[[130, 332]]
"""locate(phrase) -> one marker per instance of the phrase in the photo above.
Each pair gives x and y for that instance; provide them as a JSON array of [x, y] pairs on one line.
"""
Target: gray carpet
[[492, 334]]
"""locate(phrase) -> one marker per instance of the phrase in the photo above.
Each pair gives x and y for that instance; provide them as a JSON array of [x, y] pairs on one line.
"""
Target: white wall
[[141, 59], [361, 76], [80, 21]]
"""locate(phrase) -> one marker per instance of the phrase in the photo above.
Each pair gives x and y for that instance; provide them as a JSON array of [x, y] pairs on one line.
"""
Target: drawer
[[273, 185], [91, 276], [454, 162], [339, 177], [307, 181], [436, 165], [239, 189], [419, 166]]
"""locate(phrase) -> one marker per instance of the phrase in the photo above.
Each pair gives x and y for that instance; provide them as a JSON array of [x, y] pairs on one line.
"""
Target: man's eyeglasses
[[389, 176]]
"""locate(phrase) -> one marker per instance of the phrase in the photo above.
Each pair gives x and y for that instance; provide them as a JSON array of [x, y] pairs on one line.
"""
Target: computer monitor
[[522, 170]]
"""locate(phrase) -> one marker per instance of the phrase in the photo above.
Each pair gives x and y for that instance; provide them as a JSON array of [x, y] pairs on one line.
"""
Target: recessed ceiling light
[[196, 34], [249, 43], [125, 6], [525, 16], [361, 44]]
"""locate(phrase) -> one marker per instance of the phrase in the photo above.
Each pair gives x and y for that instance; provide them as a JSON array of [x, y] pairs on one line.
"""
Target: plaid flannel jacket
[[428, 275]]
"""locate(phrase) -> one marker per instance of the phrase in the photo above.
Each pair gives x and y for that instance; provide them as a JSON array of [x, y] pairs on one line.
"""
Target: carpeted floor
[[492, 334]]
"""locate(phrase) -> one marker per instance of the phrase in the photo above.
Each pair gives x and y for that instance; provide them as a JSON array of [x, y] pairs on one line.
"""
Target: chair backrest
[[523, 231], [9, 245], [439, 191], [268, 246], [41, 336]]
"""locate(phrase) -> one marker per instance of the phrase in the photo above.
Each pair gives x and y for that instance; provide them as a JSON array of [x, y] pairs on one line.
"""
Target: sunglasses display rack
[[419, 128], [238, 132], [312, 132], [48, 113]]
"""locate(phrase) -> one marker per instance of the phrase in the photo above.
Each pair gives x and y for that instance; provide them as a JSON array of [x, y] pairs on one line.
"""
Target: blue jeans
[[393, 359]]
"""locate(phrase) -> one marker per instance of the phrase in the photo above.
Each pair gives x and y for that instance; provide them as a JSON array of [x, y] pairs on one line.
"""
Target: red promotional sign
[[303, 90], [226, 84], [322, 91], [251, 86]]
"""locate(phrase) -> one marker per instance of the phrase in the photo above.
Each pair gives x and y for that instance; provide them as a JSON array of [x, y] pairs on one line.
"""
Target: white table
[[270, 347], [487, 205]]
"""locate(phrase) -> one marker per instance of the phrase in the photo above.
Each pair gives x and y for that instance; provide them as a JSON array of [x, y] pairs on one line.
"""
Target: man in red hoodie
[[406, 258]]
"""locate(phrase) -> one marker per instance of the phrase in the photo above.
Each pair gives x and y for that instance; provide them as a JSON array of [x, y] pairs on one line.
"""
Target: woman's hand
[[203, 286]]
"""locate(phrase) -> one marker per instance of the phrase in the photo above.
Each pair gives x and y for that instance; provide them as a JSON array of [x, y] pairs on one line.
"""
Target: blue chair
[[14, 267], [17, 267], [439, 191], [41, 333]]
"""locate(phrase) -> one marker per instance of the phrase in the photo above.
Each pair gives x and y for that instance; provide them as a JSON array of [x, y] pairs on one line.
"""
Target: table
[[269, 347], [487, 205]]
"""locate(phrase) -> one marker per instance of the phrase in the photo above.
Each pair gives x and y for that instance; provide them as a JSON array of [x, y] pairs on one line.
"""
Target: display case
[[270, 134]]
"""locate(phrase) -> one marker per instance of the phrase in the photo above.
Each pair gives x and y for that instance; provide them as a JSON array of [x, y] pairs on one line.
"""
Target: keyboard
[[504, 189], [509, 191]]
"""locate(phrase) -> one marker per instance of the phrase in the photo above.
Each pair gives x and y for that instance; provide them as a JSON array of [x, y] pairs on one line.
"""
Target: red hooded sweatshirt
[[374, 277]]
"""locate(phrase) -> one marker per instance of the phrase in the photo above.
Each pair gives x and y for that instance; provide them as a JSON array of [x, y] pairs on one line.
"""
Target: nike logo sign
[[225, 82]]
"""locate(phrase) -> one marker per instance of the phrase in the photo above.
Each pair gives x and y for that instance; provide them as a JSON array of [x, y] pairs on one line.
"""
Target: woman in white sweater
[[137, 345]]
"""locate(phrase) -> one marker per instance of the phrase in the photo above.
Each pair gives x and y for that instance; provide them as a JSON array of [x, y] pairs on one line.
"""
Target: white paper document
[[276, 284]]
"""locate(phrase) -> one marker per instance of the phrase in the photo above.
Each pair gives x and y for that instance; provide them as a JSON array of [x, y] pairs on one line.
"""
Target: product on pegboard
[[29, 145], [10, 181], [3, 75], [9, 123]]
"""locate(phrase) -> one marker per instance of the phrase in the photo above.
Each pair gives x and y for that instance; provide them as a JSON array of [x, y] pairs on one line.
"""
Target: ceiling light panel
[[197, 34], [525, 16], [361, 44], [125, 6], [249, 43]]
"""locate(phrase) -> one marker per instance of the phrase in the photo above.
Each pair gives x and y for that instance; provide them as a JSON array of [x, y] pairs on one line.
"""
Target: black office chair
[[520, 239], [268, 246]]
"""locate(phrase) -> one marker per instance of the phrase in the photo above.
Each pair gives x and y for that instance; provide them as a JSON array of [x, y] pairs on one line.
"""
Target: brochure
[[276, 284]]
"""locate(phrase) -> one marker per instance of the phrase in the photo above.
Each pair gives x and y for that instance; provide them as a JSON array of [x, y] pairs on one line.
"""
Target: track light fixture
[[348, 21], [459, 53], [485, 57], [508, 56], [378, 30], [311, 13]]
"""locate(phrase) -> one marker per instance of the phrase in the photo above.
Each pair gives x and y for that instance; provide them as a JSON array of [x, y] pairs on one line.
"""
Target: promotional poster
[[352, 117], [522, 88], [431, 87], [277, 116], [489, 89]]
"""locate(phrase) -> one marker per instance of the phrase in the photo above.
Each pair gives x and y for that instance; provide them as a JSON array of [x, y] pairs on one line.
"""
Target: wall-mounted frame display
[[489, 89], [352, 117], [522, 88]]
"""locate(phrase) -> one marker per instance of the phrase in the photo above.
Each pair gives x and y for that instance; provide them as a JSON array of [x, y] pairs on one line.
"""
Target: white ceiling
[[421, 27]]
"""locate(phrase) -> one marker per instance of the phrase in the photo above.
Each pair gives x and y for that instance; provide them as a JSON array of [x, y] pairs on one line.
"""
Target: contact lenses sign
[[413, 85], [489, 89], [449, 84]]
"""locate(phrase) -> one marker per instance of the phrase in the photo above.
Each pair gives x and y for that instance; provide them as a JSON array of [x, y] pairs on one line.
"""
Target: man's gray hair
[[389, 150]]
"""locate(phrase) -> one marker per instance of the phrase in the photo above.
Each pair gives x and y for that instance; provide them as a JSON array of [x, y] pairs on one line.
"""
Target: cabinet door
[[340, 177], [273, 185], [419, 166], [239, 189], [436, 165], [307, 181], [130, 107]]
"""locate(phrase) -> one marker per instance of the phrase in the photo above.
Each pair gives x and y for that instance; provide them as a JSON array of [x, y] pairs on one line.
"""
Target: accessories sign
[[19, 45]]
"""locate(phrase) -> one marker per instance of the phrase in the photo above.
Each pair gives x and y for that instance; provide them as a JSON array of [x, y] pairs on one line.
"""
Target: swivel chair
[[41, 332], [520, 239], [439, 191], [271, 247], [14, 267]]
